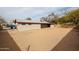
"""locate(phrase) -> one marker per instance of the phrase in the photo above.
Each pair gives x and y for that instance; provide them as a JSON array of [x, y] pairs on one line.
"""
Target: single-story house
[[28, 25]]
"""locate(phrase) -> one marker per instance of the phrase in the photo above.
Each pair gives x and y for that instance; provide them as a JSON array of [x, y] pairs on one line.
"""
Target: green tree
[[28, 18], [73, 16]]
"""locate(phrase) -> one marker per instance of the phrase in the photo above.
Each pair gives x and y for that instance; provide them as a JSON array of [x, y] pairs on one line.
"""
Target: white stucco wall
[[28, 27]]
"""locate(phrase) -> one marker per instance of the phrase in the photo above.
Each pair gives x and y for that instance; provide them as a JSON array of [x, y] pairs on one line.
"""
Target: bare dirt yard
[[47, 39]]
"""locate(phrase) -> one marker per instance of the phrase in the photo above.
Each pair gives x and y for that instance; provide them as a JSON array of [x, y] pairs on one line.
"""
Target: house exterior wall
[[21, 27]]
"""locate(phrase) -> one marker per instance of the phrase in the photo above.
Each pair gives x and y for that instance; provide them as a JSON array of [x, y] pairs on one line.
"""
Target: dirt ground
[[48, 39]]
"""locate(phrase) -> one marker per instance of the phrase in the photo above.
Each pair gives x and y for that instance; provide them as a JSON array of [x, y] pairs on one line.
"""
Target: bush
[[67, 25]]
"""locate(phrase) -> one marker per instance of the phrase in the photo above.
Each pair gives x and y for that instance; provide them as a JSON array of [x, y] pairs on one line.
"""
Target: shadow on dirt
[[69, 43], [7, 43]]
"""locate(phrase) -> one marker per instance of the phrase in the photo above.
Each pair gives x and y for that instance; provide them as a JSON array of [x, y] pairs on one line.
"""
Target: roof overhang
[[32, 22]]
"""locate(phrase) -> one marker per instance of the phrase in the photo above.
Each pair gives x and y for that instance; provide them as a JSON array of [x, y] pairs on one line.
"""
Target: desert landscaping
[[46, 39]]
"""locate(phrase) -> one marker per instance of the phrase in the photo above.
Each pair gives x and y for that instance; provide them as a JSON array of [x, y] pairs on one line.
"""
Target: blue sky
[[34, 12]]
